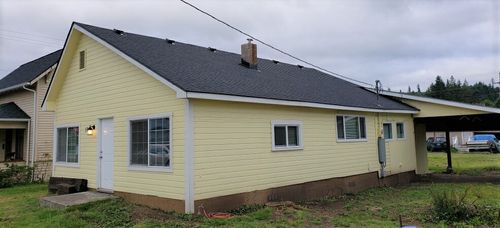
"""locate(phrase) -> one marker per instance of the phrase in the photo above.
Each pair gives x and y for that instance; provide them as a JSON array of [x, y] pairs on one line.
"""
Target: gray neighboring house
[[25, 130]]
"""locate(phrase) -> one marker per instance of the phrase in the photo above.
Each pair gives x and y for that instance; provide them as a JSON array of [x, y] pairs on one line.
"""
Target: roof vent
[[170, 41], [300, 66], [212, 49], [249, 54], [276, 61], [119, 32]]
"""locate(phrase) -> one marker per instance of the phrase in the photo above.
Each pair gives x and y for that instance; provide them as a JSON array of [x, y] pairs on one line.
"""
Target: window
[[400, 130], [287, 135], [150, 142], [82, 60], [387, 131], [351, 128], [67, 144]]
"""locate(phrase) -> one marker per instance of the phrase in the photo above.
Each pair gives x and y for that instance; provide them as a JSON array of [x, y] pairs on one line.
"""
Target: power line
[[30, 38], [32, 34], [29, 41], [275, 48]]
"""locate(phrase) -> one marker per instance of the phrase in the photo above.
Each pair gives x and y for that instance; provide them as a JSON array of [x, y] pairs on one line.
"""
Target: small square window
[[287, 135], [83, 55]]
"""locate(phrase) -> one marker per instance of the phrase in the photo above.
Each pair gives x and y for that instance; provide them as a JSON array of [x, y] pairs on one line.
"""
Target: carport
[[445, 116]]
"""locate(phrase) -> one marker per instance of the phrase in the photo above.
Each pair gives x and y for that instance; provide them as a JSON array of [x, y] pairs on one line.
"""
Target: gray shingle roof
[[12, 111], [30, 70], [197, 69]]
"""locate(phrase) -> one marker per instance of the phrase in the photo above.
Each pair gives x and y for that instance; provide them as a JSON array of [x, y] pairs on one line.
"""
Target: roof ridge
[[199, 46]]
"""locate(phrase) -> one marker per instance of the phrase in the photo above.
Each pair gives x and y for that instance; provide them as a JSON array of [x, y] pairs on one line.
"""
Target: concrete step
[[63, 201]]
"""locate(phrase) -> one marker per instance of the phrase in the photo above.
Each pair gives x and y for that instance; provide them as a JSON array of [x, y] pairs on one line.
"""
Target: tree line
[[479, 93]]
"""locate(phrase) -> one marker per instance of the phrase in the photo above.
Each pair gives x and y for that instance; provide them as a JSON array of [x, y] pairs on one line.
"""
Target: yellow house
[[25, 130], [178, 126]]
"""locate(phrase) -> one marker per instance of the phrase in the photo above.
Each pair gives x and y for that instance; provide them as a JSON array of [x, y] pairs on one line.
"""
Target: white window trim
[[345, 140], [392, 131], [404, 131], [84, 59], [129, 149], [287, 123], [66, 164]]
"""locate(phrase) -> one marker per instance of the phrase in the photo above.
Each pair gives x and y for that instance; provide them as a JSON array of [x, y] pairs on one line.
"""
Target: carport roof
[[442, 102], [10, 111]]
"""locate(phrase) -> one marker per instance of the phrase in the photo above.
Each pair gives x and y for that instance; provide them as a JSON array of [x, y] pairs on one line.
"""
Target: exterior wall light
[[90, 129]]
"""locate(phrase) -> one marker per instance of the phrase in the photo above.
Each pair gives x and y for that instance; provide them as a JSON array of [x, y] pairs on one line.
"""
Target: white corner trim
[[188, 158], [441, 102], [219, 97], [180, 93]]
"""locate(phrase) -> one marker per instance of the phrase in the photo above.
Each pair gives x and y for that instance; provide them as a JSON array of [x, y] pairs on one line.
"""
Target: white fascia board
[[44, 101], [43, 74], [219, 97], [441, 102], [180, 93]]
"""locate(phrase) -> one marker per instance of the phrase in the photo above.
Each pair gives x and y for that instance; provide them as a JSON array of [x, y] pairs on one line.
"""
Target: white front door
[[105, 161]]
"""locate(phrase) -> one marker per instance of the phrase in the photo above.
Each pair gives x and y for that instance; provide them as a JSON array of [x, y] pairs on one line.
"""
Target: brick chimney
[[249, 54]]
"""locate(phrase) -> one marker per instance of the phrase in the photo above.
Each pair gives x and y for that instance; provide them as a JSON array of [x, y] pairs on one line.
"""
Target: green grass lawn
[[474, 163], [379, 207]]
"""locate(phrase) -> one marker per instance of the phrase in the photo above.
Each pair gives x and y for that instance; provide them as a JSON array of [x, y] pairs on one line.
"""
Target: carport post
[[449, 169]]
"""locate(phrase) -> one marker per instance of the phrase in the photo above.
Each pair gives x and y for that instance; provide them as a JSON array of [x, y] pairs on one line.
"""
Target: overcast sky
[[398, 42]]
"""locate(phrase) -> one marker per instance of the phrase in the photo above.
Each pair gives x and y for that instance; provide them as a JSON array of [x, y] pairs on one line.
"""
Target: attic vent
[[276, 61], [170, 41], [300, 66], [119, 32], [212, 49]]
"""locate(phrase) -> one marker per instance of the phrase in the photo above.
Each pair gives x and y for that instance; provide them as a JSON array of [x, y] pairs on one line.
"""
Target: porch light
[[90, 129]]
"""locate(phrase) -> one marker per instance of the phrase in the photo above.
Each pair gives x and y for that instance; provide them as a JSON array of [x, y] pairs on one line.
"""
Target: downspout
[[33, 124]]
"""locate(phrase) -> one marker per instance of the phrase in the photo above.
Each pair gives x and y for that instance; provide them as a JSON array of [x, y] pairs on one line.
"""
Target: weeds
[[455, 207]]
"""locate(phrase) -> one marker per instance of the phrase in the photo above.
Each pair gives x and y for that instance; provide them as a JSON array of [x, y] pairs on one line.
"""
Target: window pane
[[351, 127], [73, 144], [139, 142], [293, 136], [279, 136], [400, 130], [340, 127], [159, 148], [388, 131], [61, 144], [362, 126]]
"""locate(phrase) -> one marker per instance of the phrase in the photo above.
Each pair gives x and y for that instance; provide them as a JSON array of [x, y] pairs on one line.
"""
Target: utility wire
[[32, 34], [34, 42], [273, 47]]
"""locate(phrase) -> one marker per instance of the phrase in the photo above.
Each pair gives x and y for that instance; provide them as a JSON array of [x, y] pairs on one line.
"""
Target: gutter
[[33, 124], [14, 87]]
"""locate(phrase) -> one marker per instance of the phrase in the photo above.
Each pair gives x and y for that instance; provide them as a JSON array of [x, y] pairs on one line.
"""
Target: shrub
[[454, 207], [15, 174]]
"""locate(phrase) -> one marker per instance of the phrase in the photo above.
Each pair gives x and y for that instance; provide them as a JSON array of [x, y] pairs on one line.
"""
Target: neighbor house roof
[[29, 71], [12, 111], [205, 73]]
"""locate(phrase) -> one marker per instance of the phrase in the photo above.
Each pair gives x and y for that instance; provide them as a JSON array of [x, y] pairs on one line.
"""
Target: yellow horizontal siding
[[112, 87], [233, 154]]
